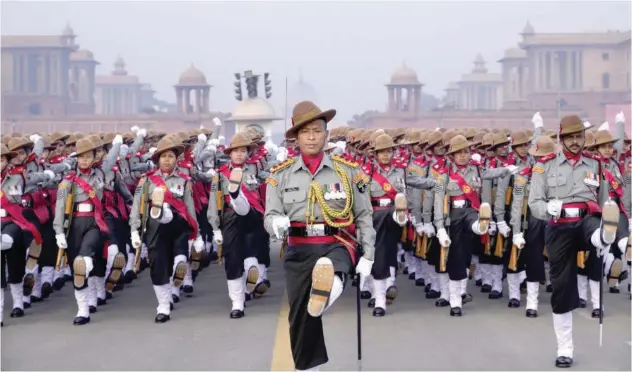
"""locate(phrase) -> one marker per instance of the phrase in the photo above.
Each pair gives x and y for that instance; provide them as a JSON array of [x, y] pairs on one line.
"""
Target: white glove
[[537, 120], [476, 157], [167, 214], [217, 237], [50, 174], [281, 156], [429, 229], [443, 237], [136, 240], [280, 224], [34, 137], [503, 228], [364, 267], [222, 140], [604, 126], [152, 150], [492, 228], [117, 140], [202, 137], [268, 145], [141, 133], [554, 207], [602, 250], [620, 118], [135, 128], [512, 169], [420, 229], [518, 240], [198, 244], [61, 241], [217, 122], [211, 172], [630, 225]]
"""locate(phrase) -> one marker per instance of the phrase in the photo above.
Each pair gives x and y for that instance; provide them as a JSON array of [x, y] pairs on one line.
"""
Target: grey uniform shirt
[[612, 166], [14, 185], [447, 186], [95, 179], [219, 188], [289, 184], [179, 186], [565, 182], [500, 202]]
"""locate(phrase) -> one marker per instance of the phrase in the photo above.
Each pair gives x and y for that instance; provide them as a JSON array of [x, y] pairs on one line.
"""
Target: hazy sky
[[346, 50]]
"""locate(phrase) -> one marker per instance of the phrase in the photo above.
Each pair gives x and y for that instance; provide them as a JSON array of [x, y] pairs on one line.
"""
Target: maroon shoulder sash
[[98, 207], [175, 203]]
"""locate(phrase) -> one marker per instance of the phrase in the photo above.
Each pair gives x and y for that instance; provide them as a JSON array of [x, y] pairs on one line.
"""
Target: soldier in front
[[564, 191], [312, 198]]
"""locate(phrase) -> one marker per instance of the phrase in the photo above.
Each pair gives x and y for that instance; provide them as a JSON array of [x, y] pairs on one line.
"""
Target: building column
[[187, 100], [391, 99], [417, 100], [207, 100], [409, 99], [198, 100], [179, 98]]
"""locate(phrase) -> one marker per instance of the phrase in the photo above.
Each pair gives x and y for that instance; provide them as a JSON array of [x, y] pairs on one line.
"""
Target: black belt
[[302, 231], [376, 203]]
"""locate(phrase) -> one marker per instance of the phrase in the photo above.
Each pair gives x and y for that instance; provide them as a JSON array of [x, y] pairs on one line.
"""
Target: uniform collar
[[325, 162], [561, 158]]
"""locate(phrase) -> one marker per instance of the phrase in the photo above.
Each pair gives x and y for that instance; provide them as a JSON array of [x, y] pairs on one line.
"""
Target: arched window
[[605, 81], [35, 109]]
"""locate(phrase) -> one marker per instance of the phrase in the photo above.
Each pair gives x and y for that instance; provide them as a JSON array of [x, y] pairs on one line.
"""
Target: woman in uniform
[[163, 216], [231, 216]]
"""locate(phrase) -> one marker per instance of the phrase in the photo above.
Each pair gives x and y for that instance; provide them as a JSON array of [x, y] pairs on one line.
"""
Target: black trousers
[[532, 256], [463, 239], [85, 240], [563, 242], [49, 244], [234, 246], [306, 332], [622, 232], [164, 243], [387, 238], [14, 259]]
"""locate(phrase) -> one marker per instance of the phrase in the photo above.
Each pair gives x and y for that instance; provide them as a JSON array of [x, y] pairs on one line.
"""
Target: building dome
[[404, 76], [528, 29], [82, 55], [68, 31], [301, 91], [192, 76], [253, 109]]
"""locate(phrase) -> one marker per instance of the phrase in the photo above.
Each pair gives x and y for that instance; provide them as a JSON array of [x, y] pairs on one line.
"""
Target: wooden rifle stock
[[68, 210], [144, 215]]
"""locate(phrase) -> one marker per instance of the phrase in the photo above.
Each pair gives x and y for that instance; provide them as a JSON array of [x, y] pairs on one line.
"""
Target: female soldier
[[19, 229], [390, 207], [236, 203], [79, 223], [164, 214]]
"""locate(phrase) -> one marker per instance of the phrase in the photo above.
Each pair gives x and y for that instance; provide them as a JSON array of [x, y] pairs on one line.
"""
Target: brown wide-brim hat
[[4, 151], [108, 138], [626, 138], [487, 141], [544, 145], [17, 143], [306, 112], [57, 136], [448, 135], [434, 138], [354, 136], [603, 137], [96, 139], [572, 124], [478, 139], [71, 140], [240, 140], [520, 137], [383, 142], [499, 139], [84, 145], [589, 139], [167, 143], [48, 145], [458, 143]]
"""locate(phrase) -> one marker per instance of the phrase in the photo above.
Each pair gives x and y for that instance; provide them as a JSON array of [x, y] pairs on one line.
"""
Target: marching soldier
[[163, 216], [313, 197], [564, 191]]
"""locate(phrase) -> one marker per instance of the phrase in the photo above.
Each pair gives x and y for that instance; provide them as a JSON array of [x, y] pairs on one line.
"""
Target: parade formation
[[451, 210]]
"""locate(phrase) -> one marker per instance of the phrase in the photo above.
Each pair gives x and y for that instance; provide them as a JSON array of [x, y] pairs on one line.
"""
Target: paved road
[[413, 336]]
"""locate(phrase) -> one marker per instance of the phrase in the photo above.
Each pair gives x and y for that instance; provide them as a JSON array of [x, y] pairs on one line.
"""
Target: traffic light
[[251, 86], [238, 95], [268, 87]]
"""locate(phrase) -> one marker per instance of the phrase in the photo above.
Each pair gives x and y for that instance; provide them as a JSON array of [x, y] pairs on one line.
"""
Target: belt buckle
[[3, 212], [458, 203], [385, 202], [25, 203], [84, 208], [572, 212], [315, 230]]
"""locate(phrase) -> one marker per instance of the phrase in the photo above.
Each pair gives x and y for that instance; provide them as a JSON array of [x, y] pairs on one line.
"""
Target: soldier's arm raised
[[134, 216], [212, 213], [60, 206], [363, 213], [110, 158], [138, 142], [537, 193], [35, 178]]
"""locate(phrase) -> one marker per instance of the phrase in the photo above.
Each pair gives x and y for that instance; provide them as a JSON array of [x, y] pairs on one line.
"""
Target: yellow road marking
[[282, 351]]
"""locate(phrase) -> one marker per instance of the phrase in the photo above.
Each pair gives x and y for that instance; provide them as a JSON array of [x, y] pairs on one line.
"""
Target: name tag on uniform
[[177, 190], [591, 179]]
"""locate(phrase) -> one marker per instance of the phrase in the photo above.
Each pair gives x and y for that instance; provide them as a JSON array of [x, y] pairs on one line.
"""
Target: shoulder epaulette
[[344, 161], [282, 165], [547, 158], [184, 176], [590, 156]]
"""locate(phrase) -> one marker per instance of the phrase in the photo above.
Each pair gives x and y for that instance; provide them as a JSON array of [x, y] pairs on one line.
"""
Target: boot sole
[[196, 259], [615, 272], [401, 207], [484, 216], [251, 278], [235, 178], [322, 283], [79, 268], [391, 294], [157, 200], [610, 221], [115, 274], [260, 289], [34, 253], [28, 284], [180, 273]]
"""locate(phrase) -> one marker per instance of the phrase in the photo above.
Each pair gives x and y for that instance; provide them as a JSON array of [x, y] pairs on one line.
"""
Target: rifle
[[144, 215], [70, 203]]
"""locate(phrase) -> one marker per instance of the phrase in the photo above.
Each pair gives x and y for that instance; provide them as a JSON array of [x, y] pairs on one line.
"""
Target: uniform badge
[[92, 194], [387, 187], [466, 189], [271, 181], [538, 169], [361, 180], [591, 179]]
